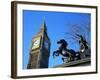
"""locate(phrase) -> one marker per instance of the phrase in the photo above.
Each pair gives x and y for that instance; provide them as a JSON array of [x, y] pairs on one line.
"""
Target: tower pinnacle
[[43, 26]]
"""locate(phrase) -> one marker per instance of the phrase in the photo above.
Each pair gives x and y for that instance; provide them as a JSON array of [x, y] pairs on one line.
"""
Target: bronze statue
[[83, 43], [68, 54]]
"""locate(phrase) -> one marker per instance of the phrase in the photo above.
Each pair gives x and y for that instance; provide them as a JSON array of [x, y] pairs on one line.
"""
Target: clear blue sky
[[57, 24]]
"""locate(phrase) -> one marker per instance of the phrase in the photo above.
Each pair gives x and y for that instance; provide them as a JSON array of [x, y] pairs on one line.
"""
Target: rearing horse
[[68, 54]]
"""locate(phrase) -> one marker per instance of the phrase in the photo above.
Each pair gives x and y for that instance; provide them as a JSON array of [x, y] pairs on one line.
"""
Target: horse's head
[[61, 41]]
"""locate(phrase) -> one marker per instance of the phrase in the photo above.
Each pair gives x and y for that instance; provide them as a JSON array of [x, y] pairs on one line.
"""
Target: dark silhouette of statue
[[67, 54], [83, 43], [85, 50]]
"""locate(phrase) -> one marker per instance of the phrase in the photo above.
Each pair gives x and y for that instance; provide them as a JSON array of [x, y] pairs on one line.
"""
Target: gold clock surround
[[36, 42]]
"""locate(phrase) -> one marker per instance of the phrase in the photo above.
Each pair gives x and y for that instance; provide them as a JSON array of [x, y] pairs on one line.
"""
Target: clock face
[[36, 43], [46, 44]]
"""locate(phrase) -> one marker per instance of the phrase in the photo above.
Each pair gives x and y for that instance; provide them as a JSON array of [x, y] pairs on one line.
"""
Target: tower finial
[[43, 26]]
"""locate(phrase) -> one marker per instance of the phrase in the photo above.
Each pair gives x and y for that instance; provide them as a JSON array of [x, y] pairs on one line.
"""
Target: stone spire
[[43, 29], [43, 26]]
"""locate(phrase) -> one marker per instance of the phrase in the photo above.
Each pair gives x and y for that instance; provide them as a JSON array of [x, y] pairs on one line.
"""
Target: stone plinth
[[82, 62]]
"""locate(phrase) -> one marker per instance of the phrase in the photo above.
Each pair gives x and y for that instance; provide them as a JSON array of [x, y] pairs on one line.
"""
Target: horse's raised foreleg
[[55, 53]]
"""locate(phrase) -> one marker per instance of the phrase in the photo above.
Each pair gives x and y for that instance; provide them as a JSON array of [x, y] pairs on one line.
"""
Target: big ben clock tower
[[40, 49]]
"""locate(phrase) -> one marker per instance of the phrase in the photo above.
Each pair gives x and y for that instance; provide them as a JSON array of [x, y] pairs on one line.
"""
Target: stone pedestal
[[82, 62]]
